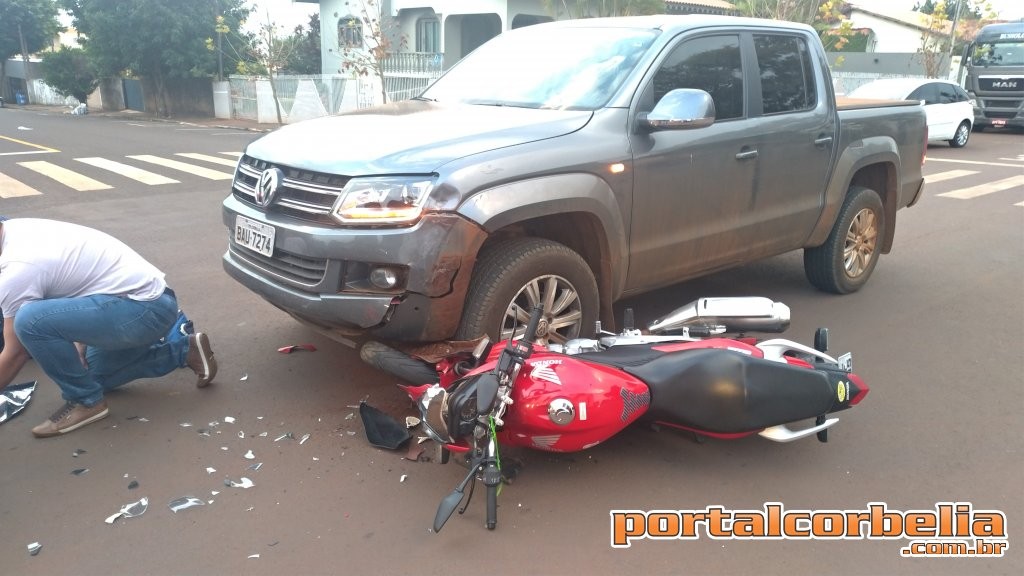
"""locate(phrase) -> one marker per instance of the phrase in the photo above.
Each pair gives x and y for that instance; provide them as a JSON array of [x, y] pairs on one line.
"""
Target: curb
[[140, 116]]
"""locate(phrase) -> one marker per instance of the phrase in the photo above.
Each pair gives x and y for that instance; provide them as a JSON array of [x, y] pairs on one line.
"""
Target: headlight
[[386, 200]]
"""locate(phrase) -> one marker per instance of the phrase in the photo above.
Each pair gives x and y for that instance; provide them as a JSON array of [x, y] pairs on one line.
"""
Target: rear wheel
[[398, 364], [845, 261], [962, 134], [514, 275]]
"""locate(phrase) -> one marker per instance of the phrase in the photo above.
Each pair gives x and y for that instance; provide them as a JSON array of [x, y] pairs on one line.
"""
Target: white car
[[950, 110]]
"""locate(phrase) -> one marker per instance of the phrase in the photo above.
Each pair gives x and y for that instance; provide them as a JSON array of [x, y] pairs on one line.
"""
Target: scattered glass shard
[[79, 471], [34, 548], [244, 378], [254, 555], [263, 434], [315, 459], [14, 398], [243, 483], [214, 492], [350, 416], [283, 436], [304, 438], [130, 510], [185, 424], [229, 419], [256, 466], [404, 476], [350, 432], [184, 503], [213, 424], [78, 452], [241, 434], [203, 432], [249, 455], [143, 419], [411, 421], [133, 484], [259, 417], [210, 470], [224, 448]]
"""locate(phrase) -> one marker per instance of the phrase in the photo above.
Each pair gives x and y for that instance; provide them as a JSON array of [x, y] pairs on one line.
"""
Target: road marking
[[190, 168], [949, 175], [972, 162], [208, 158], [144, 176], [64, 176], [11, 188], [1013, 159], [22, 142], [983, 189], [235, 154], [27, 152]]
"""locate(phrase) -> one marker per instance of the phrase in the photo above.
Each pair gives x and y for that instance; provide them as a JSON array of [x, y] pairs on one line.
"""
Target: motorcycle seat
[[729, 392]]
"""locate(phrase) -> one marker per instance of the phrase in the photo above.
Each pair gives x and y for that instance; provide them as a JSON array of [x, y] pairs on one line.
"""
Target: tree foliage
[[156, 39], [70, 73], [376, 35], [306, 57], [34, 21]]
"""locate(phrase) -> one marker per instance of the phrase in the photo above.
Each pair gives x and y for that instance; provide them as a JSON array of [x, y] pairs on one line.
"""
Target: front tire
[[512, 276], [398, 364], [962, 134], [846, 260]]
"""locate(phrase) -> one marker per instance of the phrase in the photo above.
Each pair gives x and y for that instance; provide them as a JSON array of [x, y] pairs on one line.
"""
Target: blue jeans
[[123, 338]]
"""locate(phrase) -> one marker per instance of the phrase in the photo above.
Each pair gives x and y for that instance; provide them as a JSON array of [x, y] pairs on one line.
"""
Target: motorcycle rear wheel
[[398, 364]]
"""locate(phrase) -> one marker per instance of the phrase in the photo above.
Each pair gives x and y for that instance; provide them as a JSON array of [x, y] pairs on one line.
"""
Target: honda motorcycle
[[681, 373]]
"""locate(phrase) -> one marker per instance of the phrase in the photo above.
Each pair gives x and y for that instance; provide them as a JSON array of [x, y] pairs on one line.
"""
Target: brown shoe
[[70, 417], [200, 359]]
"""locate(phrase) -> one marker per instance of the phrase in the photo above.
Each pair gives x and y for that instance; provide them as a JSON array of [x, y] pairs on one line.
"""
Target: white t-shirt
[[44, 259]]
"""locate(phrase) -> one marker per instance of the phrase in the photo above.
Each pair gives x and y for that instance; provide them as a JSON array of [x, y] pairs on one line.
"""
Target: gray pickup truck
[[573, 163]]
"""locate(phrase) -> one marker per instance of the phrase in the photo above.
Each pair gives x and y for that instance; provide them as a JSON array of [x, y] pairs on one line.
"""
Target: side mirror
[[680, 109]]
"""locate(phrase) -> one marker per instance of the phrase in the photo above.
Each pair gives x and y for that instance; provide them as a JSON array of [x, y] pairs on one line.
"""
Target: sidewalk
[[223, 123]]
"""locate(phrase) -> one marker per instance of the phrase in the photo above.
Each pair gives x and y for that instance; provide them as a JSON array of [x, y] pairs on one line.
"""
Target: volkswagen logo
[[266, 187]]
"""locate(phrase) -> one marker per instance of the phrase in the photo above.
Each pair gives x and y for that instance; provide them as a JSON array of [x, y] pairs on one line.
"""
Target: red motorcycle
[[681, 374]]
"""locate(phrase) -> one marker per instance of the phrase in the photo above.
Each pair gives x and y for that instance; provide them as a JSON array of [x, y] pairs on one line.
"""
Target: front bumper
[[318, 273]]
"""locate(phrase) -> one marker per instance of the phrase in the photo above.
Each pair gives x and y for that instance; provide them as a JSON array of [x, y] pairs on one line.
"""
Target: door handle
[[747, 154], [823, 141]]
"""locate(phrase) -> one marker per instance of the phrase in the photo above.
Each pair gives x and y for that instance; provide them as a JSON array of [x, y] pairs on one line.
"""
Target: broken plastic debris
[[283, 436], [249, 455], [78, 452], [14, 398], [263, 434], [210, 470], [143, 419], [404, 476], [255, 467], [254, 555], [203, 432], [225, 448], [79, 471], [243, 378], [213, 424], [130, 510], [243, 483], [34, 548], [185, 424], [214, 492], [304, 438], [294, 347], [241, 434], [411, 421], [229, 419], [133, 484], [184, 502]]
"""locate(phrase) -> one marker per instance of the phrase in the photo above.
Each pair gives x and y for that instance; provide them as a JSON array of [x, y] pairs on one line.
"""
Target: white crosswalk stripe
[[69, 178], [137, 174], [184, 167], [11, 188], [986, 188], [208, 158], [947, 175]]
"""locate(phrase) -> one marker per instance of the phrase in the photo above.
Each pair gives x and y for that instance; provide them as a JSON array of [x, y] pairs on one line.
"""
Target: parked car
[[950, 110], [573, 164]]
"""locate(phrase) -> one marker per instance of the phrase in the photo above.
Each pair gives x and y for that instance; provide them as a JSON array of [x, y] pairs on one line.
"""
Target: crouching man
[[92, 313]]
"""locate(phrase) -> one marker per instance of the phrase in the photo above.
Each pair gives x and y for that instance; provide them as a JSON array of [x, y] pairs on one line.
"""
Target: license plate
[[846, 362], [254, 235], [999, 122]]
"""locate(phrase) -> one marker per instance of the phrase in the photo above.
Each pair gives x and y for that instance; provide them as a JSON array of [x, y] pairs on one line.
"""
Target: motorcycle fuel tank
[[561, 404]]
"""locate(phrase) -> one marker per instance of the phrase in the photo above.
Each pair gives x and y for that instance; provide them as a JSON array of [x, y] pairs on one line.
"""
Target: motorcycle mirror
[[486, 392], [445, 509]]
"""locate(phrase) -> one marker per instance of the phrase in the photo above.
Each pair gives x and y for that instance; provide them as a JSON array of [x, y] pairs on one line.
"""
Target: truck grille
[[302, 194], [298, 269], [1010, 84]]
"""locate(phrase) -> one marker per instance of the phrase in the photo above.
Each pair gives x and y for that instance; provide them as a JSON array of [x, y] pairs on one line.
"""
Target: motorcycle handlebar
[[530, 336]]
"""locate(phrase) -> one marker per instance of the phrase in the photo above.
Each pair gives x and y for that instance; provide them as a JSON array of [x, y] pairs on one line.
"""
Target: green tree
[[306, 57], [154, 39], [70, 73], [26, 27]]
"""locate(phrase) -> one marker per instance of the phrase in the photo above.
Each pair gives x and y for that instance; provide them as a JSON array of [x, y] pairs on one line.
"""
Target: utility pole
[[24, 59], [952, 33]]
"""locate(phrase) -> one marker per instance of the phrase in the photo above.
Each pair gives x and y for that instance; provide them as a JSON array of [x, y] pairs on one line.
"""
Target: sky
[[1006, 9], [286, 13]]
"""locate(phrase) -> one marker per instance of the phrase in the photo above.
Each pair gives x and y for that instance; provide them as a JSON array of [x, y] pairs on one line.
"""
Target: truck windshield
[[998, 54], [544, 67]]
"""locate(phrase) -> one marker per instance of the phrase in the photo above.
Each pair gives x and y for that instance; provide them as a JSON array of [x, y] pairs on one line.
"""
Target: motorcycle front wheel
[[398, 363]]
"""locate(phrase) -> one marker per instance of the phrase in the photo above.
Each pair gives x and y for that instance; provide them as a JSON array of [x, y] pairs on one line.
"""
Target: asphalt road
[[936, 333]]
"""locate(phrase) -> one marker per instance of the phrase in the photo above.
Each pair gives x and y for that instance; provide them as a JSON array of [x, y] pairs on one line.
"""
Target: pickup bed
[[573, 163]]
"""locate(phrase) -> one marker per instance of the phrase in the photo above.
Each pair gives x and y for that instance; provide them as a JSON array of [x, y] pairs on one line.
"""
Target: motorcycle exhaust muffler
[[731, 314]]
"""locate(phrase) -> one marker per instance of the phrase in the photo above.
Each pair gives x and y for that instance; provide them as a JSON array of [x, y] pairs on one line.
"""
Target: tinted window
[[787, 83], [927, 92], [711, 64], [947, 95]]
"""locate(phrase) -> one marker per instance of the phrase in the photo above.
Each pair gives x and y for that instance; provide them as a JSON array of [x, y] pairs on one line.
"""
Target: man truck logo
[[266, 187]]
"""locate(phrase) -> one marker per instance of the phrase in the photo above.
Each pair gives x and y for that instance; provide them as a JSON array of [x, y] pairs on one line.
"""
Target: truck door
[[796, 129], [692, 188]]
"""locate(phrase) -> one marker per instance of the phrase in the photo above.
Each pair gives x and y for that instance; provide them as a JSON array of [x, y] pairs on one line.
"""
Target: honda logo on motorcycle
[[266, 187]]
